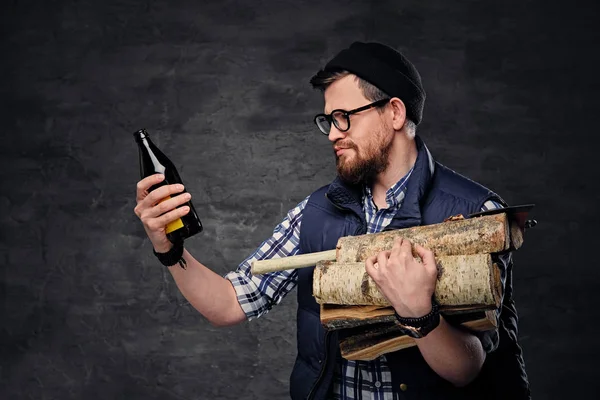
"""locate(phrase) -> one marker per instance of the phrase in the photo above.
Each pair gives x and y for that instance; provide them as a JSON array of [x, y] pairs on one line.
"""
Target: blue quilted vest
[[433, 193]]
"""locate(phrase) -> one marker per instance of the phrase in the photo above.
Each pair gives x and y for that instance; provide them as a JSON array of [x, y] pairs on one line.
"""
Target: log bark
[[487, 234], [463, 281], [385, 338]]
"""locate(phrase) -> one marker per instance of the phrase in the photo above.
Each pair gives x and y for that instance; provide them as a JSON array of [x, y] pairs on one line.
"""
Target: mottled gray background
[[222, 86]]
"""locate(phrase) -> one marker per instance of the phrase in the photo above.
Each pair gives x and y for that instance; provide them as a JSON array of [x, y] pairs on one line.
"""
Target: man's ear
[[398, 113]]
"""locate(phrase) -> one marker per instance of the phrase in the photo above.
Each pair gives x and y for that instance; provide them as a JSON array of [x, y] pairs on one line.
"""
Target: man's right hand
[[154, 214]]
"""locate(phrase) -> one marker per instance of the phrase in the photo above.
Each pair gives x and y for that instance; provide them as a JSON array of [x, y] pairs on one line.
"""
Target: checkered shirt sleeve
[[257, 294]]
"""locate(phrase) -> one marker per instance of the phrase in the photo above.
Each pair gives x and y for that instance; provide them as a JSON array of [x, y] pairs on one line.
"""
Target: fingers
[[406, 247], [156, 196], [166, 205], [400, 256], [402, 250], [428, 258], [425, 254], [160, 200], [158, 206], [397, 246], [145, 184], [382, 259], [371, 260], [146, 210], [159, 223], [163, 192], [376, 263], [370, 265]]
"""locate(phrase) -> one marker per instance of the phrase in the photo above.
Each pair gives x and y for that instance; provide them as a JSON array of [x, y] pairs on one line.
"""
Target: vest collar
[[418, 185], [349, 197]]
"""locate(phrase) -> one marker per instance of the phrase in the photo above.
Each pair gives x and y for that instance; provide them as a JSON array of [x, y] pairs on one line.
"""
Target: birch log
[[487, 234], [463, 280]]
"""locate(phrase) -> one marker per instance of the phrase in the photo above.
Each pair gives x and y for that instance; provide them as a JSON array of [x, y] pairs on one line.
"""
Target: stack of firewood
[[468, 289]]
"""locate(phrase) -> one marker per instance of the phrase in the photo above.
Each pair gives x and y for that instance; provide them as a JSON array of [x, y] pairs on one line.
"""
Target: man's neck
[[402, 158]]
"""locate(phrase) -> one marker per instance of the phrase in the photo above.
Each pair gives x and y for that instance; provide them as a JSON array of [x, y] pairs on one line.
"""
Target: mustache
[[348, 144]]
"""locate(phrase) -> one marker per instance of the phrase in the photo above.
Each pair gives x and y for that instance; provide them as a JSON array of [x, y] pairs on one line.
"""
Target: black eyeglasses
[[341, 118]]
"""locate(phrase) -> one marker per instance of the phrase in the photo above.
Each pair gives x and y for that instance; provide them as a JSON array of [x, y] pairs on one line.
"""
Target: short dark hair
[[324, 78]]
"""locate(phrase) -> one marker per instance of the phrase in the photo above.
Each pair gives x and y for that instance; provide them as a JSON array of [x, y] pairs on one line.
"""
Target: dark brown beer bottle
[[153, 161]]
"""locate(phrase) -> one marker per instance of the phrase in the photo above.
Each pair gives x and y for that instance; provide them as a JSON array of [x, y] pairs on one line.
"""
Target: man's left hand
[[407, 283]]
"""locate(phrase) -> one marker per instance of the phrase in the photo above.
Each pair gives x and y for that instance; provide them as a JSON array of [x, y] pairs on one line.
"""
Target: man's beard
[[364, 167]]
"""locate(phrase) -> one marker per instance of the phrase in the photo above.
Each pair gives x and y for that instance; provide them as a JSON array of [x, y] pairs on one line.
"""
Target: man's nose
[[335, 134]]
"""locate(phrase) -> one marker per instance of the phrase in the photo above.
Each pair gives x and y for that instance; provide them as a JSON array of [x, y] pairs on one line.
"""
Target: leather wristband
[[173, 256], [420, 327]]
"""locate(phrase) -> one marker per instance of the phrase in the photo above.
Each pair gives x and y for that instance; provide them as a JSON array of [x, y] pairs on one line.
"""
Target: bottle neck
[[146, 146], [139, 135]]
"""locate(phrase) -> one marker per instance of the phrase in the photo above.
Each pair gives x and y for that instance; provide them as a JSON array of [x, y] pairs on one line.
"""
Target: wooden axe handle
[[292, 262]]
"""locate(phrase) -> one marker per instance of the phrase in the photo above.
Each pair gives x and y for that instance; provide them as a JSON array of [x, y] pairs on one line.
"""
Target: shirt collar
[[394, 195], [350, 197]]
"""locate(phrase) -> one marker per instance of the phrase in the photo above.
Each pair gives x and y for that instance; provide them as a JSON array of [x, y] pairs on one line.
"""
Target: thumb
[[370, 266]]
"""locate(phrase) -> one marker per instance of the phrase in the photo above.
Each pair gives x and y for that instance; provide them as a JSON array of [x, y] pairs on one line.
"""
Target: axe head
[[518, 214]]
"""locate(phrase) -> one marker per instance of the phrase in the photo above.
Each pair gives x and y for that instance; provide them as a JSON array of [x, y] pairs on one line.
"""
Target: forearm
[[212, 295], [453, 354]]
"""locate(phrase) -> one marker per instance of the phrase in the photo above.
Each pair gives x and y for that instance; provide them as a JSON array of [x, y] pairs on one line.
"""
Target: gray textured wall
[[222, 86]]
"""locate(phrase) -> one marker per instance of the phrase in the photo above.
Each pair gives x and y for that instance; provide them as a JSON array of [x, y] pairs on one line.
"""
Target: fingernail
[[180, 187]]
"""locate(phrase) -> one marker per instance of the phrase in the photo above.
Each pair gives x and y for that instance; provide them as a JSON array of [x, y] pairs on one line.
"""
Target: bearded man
[[386, 179]]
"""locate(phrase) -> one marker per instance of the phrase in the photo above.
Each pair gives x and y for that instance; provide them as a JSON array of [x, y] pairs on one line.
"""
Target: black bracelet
[[433, 314], [420, 327], [173, 256]]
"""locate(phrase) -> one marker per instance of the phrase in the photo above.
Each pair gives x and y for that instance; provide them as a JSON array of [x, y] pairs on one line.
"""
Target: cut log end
[[516, 235]]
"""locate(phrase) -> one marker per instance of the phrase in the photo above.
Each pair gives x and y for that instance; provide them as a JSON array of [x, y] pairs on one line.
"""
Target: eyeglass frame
[[346, 114]]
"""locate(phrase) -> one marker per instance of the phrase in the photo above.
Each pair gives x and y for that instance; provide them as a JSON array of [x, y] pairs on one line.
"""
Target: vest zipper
[[323, 367]]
